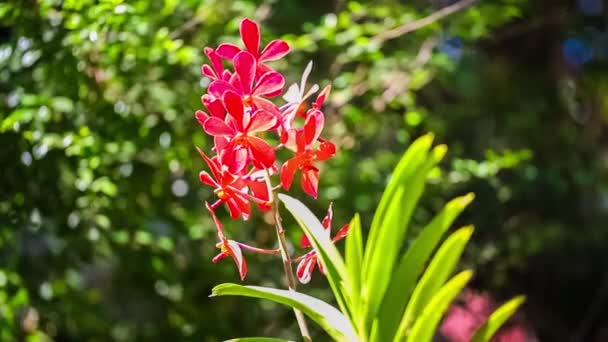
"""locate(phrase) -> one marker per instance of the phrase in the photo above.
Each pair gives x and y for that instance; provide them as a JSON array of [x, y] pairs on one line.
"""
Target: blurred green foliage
[[102, 228]]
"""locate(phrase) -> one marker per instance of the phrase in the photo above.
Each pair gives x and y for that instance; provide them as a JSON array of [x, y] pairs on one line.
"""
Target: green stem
[[291, 280]]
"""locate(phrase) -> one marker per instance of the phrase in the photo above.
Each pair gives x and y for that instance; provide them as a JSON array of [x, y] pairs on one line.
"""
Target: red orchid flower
[[306, 154], [308, 261], [240, 145], [228, 247], [216, 70], [231, 189], [250, 35], [253, 90]]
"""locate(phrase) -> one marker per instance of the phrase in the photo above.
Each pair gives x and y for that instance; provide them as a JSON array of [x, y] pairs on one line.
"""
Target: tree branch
[[420, 23]]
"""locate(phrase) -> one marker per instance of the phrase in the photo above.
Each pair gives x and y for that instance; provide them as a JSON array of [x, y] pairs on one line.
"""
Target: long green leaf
[[410, 267], [497, 319], [426, 326], [354, 260], [258, 339], [436, 274], [326, 250], [328, 317], [413, 156], [385, 249]]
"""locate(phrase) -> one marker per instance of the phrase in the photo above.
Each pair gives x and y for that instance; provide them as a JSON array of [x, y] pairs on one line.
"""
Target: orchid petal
[[305, 268], [212, 163], [341, 233], [276, 49], [244, 65], [269, 84], [208, 72], [262, 152], [261, 121], [250, 34], [305, 75], [201, 117], [219, 87], [227, 51], [218, 224], [288, 171], [218, 67], [312, 127], [310, 181], [214, 126], [237, 256], [234, 106], [205, 178], [322, 97], [326, 151], [214, 105]]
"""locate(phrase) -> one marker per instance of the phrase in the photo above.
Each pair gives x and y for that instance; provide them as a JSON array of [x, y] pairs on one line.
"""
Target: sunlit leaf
[[497, 319], [410, 267], [328, 317], [426, 325]]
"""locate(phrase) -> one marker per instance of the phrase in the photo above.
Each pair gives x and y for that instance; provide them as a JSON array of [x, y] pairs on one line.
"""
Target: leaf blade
[[411, 266], [438, 271], [328, 317], [497, 319], [426, 325], [327, 252]]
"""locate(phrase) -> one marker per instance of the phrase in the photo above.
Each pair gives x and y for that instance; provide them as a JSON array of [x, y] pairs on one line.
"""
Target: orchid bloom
[[295, 96], [308, 261], [228, 247], [229, 188], [306, 154], [252, 89], [216, 71], [241, 145], [250, 35], [238, 114]]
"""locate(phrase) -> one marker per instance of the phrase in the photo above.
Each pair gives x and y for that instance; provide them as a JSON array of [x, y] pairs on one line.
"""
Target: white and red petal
[[310, 181], [341, 233], [312, 127], [305, 269], [237, 255]]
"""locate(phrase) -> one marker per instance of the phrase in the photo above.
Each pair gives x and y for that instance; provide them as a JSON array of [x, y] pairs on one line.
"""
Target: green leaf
[[326, 250], [414, 155], [384, 249], [426, 325], [410, 267], [354, 260], [497, 319], [257, 339], [436, 274], [328, 317]]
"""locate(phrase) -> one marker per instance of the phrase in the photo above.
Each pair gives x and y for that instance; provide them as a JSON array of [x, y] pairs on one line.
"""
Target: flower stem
[[291, 281]]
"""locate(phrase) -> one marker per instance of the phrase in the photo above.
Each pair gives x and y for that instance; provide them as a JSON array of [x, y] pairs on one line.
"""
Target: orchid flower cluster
[[240, 116]]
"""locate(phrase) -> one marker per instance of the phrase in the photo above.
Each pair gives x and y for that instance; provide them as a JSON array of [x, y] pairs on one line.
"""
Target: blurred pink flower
[[464, 318]]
